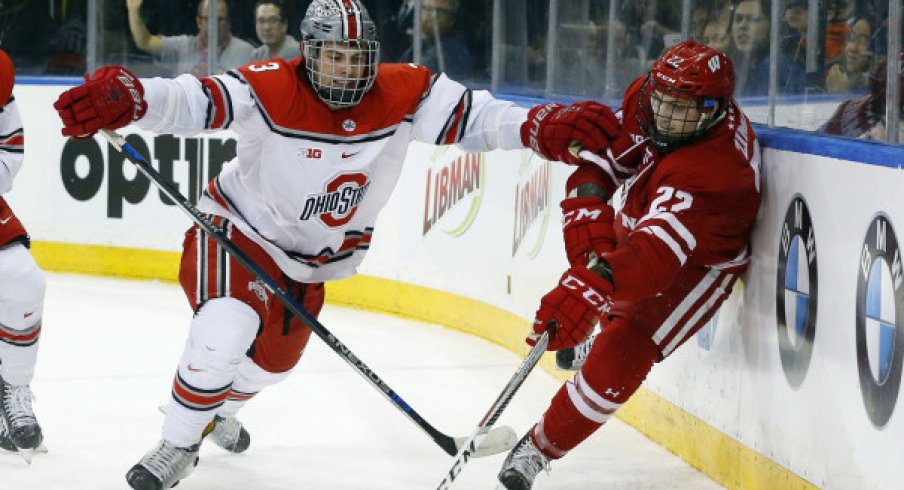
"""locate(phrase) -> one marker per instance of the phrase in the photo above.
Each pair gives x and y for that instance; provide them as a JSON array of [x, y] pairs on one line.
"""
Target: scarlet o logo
[[337, 206]]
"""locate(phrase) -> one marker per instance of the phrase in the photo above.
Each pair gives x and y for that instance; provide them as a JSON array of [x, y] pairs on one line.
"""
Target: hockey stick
[[486, 424], [501, 440]]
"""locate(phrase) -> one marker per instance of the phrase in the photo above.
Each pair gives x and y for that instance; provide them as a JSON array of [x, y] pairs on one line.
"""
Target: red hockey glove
[[111, 99], [574, 307], [552, 128], [588, 226]]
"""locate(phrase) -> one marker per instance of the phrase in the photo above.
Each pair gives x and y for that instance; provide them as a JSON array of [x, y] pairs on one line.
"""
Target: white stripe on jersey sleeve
[[676, 225], [661, 234], [10, 161]]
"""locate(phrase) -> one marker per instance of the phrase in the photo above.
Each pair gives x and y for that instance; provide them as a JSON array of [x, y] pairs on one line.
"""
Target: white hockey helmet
[[341, 50]]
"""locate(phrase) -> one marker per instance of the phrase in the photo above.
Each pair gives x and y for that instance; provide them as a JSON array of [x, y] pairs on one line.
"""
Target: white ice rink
[[109, 350]]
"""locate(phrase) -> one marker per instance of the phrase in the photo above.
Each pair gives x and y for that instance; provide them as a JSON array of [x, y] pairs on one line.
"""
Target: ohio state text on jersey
[[308, 182]]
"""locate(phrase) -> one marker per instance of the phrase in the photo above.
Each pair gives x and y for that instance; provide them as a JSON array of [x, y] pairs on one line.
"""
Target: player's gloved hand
[[555, 131], [588, 226], [110, 99], [573, 307]]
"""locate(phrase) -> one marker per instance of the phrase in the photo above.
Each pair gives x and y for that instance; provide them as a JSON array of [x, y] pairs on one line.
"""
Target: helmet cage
[[341, 50], [657, 119], [341, 72]]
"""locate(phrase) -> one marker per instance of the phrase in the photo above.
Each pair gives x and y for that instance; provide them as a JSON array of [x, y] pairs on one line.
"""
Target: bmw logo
[[880, 320], [796, 292]]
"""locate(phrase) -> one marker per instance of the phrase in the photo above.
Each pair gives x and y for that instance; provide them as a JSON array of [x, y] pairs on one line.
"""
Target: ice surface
[[108, 354]]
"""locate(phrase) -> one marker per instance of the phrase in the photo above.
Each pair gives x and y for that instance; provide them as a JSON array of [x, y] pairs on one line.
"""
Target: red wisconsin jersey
[[684, 225], [308, 182]]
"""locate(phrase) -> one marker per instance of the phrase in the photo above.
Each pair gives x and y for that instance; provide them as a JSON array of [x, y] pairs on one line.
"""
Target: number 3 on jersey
[[666, 194], [264, 67]]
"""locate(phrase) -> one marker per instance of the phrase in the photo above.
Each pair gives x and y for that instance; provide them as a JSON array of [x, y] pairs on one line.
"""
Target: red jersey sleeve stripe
[[219, 106], [455, 125]]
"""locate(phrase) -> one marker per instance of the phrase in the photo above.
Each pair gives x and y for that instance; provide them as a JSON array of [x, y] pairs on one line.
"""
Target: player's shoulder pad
[[7, 78], [404, 83], [272, 81]]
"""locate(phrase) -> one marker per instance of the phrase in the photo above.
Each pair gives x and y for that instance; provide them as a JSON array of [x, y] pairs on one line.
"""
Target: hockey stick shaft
[[495, 411], [444, 441]]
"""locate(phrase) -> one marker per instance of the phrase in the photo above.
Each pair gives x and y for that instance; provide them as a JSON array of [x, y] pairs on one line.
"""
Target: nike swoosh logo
[[28, 314], [349, 155], [3, 221], [194, 369]]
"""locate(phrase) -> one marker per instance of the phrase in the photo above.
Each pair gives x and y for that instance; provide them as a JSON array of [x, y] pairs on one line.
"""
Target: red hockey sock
[[617, 365]]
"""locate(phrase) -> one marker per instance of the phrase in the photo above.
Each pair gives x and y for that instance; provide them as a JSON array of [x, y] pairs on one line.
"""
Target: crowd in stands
[[163, 37]]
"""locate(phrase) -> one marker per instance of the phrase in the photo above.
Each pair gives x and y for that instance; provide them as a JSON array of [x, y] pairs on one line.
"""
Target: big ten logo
[[451, 185], [84, 165], [531, 205]]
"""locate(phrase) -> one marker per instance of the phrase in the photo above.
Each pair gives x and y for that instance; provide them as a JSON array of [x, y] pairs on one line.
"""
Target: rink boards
[[795, 383]]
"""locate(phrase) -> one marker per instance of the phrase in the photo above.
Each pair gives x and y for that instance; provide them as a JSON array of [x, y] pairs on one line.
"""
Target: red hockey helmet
[[7, 78], [685, 94]]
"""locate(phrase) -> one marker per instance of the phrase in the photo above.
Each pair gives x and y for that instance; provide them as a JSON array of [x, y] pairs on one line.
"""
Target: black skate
[[5, 442], [522, 465], [228, 433], [20, 431], [163, 466], [573, 358]]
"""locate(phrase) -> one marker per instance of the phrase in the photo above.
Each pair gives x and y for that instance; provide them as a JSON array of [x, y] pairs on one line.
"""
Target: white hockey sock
[[22, 286], [221, 332]]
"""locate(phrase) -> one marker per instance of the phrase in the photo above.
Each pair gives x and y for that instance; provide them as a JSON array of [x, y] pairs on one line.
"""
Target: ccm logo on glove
[[591, 296]]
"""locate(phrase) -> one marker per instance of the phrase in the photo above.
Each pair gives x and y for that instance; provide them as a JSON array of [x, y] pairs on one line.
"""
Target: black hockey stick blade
[[470, 448]]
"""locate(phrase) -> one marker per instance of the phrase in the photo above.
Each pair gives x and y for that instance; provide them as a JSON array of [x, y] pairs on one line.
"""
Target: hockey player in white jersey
[[22, 287], [321, 142]]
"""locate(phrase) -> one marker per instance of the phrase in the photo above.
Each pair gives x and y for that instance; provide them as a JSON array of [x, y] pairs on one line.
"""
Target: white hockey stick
[[500, 440], [486, 424]]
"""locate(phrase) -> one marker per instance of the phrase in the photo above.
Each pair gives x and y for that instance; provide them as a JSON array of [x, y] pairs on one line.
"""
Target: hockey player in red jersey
[[22, 287], [657, 270], [321, 142]]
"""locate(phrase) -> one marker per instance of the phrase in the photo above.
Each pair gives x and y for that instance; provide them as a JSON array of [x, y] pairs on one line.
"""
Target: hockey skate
[[20, 430], [5, 442], [228, 433], [163, 466], [522, 465], [573, 358]]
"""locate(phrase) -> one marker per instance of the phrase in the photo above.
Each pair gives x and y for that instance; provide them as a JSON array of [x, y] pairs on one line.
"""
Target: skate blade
[[28, 454], [498, 440]]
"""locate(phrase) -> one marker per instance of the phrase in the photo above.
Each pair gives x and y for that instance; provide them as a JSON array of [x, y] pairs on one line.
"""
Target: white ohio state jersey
[[308, 182], [12, 145]]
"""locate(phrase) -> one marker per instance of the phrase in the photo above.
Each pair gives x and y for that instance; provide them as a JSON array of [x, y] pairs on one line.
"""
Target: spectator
[[852, 72], [864, 117], [25, 32], [794, 43], [68, 49], [272, 30], [188, 54], [750, 53], [647, 21], [442, 48], [716, 36]]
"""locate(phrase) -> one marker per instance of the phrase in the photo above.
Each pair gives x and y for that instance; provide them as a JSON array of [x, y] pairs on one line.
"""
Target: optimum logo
[[880, 320], [796, 292]]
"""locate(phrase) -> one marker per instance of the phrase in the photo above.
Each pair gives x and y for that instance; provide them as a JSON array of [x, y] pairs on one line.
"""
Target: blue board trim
[[852, 150]]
